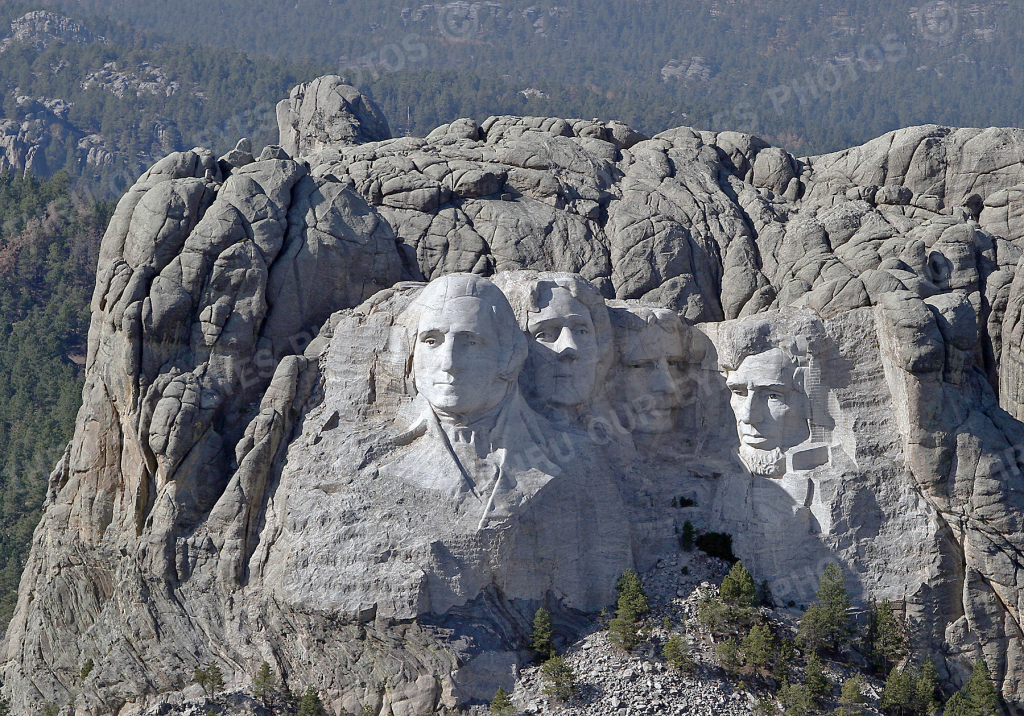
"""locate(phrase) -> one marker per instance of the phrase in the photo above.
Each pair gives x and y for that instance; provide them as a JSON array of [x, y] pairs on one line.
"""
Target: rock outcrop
[[259, 473], [40, 29]]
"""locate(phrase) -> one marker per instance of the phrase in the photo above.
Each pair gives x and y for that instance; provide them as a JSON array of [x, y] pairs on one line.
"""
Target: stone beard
[[649, 376], [772, 411]]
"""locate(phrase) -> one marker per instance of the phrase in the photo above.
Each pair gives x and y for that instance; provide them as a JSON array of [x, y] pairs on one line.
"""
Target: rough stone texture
[[325, 112], [227, 498], [40, 29]]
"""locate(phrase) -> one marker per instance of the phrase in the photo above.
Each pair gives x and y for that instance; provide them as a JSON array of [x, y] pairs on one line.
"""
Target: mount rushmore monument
[[360, 406]]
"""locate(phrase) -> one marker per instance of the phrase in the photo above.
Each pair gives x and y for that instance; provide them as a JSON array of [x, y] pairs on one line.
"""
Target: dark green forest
[[852, 70], [49, 239]]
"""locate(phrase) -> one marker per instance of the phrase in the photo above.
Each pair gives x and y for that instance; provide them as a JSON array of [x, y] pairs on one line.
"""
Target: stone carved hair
[[458, 285], [523, 289], [629, 324]]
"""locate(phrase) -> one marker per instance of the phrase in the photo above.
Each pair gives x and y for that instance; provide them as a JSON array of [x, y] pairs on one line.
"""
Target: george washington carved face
[[466, 347]]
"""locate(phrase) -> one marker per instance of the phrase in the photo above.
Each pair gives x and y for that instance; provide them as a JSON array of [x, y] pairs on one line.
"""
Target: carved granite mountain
[[823, 353]]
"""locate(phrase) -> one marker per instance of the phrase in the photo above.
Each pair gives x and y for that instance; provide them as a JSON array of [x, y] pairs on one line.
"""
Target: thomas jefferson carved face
[[563, 350], [461, 357], [771, 411], [650, 375]]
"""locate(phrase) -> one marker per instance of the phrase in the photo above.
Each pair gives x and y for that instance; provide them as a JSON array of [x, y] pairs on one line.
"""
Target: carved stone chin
[[763, 463]]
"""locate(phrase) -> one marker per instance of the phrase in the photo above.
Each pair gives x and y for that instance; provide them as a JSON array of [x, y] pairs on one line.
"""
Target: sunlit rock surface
[[823, 354]]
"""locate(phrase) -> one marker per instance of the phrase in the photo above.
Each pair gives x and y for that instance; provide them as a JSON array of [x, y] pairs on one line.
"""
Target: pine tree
[[542, 638], [311, 705], [981, 692], [738, 588], [686, 540], [827, 623], [886, 635], [729, 657], [759, 646], [785, 655], [677, 653], [214, 679], [898, 694], [851, 696], [559, 678], [958, 705], [501, 704], [623, 630], [925, 689], [796, 700], [264, 686], [818, 685]]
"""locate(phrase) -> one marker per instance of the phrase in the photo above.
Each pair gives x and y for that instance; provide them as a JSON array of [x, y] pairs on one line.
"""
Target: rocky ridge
[[40, 29], [243, 305]]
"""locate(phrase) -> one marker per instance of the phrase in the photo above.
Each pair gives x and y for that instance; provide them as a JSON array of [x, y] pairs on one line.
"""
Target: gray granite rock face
[[314, 432]]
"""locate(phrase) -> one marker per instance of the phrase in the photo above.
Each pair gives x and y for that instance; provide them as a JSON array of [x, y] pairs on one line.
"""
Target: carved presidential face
[[563, 349], [458, 356], [771, 413], [650, 378]]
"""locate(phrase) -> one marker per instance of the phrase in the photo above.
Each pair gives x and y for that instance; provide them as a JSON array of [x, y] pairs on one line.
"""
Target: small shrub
[[686, 502], [685, 569], [728, 656], [559, 679], [87, 667], [677, 654], [716, 544], [501, 704], [712, 614], [50, 709]]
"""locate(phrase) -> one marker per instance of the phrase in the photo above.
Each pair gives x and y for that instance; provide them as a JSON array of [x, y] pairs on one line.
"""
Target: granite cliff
[[260, 473]]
